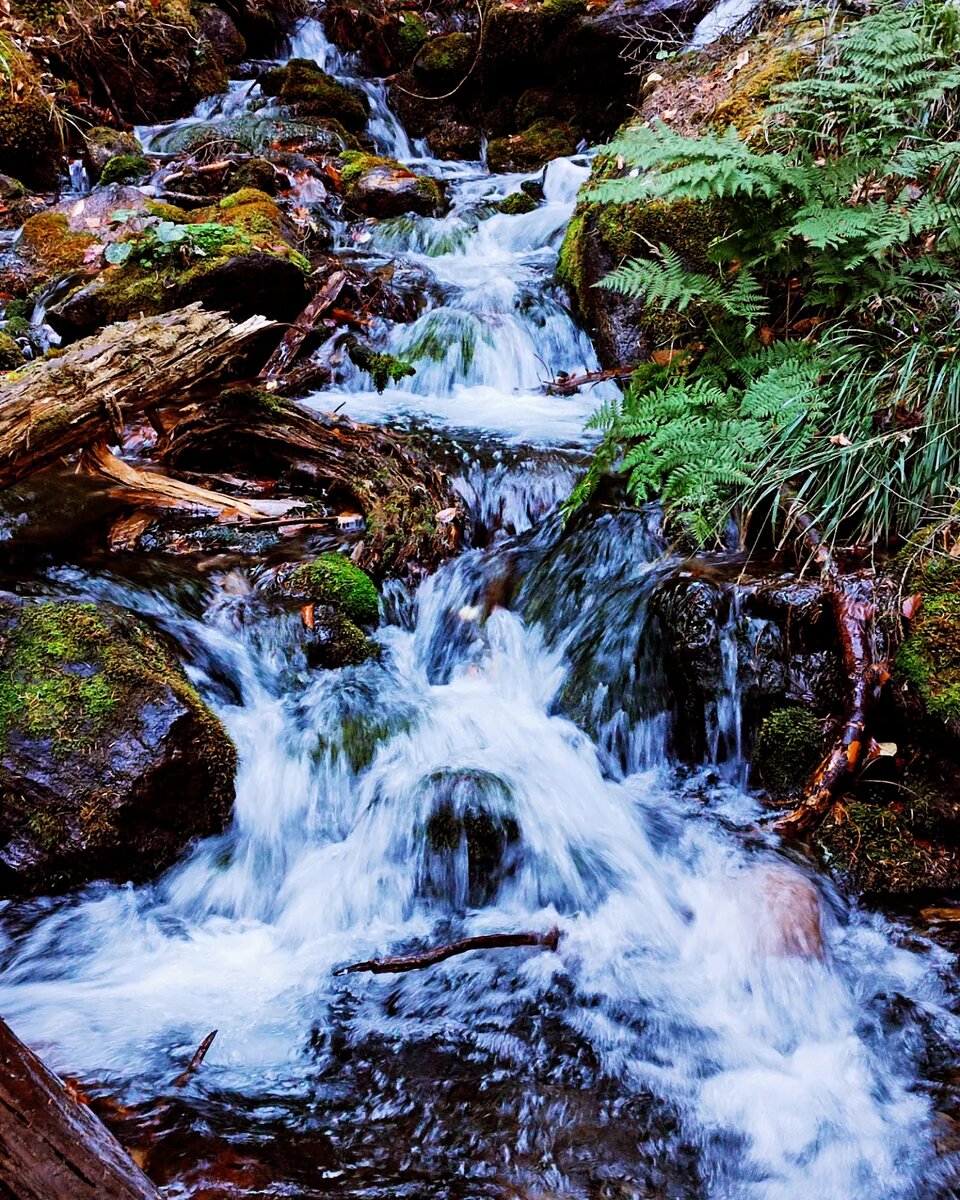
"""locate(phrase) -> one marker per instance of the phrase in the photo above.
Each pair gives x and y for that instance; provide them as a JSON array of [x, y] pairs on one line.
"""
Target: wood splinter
[[199, 1055], [427, 958]]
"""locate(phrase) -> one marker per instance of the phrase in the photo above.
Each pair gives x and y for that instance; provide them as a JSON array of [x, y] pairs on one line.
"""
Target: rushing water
[[505, 766]]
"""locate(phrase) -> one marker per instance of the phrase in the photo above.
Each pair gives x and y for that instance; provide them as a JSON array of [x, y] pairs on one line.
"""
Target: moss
[[356, 163], [537, 145], [258, 174], [382, 367], [928, 660], [338, 642], [17, 327], [755, 88], [570, 263], [167, 212], [70, 672], [11, 356], [412, 33], [789, 746], [48, 239], [333, 579], [40, 13], [29, 139], [872, 848], [125, 168], [446, 55], [564, 10], [302, 84], [246, 196], [516, 204]]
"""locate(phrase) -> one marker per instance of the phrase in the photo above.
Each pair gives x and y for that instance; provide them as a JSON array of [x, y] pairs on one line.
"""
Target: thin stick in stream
[[428, 958], [199, 1055]]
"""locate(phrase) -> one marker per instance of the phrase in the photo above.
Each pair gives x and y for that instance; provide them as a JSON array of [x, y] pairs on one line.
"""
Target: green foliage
[[160, 243], [789, 746], [382, 367], [848, 214]]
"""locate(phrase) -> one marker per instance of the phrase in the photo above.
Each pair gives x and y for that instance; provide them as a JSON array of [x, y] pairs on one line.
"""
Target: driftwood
[[358, 467], [61, 405], [148, 490], [855, 625], [199, 1055], [566, 385], [428, 958], [52, 1147], [279, 362]]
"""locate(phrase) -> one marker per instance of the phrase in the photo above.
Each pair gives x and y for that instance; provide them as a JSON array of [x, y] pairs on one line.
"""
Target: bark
[[58, 406], [147, 490], [855, 627], [354, 466], [486, 941], [52, 1147]]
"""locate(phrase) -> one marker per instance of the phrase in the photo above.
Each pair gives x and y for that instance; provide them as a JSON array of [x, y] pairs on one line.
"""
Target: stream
[[500, 768]]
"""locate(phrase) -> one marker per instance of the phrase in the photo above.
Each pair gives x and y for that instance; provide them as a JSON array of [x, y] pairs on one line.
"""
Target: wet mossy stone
[[516, 204], [30, 145], [332, 579], [102, 144], [11, 356], [125, 168], [302, 85], [110, 763], [382, 187], [789, 746], [537, 145], [927, 663], [445, 58], [336, 641], [412, 33]]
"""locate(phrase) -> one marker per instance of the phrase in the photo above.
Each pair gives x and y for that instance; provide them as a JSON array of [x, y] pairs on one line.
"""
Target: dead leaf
[[840, 439], [911, 605], [307, 616], [446, 515]]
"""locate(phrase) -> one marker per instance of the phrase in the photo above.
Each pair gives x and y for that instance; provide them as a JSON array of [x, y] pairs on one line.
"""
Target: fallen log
[[566, 385], [52, 1147], [428, 958], [58, 406], [855, 627], [147, 490], [353, 466]]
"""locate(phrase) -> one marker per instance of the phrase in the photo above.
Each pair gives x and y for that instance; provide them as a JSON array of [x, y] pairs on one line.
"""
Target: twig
[[198, 1056], [295, 336], [428, 958]]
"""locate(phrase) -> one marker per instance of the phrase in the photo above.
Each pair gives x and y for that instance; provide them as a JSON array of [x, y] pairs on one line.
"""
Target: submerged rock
[[110, 763], [338, 600]]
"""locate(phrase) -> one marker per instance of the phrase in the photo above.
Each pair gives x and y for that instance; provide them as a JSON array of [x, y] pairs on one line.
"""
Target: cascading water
[[714, 1023]]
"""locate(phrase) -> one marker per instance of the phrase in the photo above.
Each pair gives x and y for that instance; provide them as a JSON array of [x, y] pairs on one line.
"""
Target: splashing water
[[715, 1023]]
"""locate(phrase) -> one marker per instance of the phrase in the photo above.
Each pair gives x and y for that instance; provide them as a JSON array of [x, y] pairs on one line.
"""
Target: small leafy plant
[[157, 243]]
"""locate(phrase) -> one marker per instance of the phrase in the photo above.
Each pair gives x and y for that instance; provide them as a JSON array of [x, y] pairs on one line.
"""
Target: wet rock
[[332, 580], [221, 32], [101, 144], [381, 187], [109, 761], [126, 168], [11, 189], [444, 60], [11, 356], [453, 140], [333, 640], [302, 86], [48, 249], [537, 145]]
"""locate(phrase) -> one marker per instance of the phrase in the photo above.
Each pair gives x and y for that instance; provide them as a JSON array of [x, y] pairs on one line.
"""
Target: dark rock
[[381, 187], [110, 762], [453, 140], [221, 32], [302, 86], [443, 61], [537, 145], [334, 641], [101, 144]]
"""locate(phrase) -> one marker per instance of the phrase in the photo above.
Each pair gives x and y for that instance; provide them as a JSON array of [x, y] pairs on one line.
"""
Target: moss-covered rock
[[101, 144], [302, 85], [927, 663], [50, 244], [411, 34], [335, 641], [258, 173], [125, 168], [444, 59], [537, 145], [30, 142], [382, 187], [109, 760], [11, 356], [516, 204], [789, 745], [333, 580]]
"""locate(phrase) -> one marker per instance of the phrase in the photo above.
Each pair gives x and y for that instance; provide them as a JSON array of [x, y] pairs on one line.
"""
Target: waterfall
[[716, 1022]]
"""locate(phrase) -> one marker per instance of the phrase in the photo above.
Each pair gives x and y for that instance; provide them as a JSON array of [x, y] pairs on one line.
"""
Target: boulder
[[339, 601], [101, 144], [309, 91], [30, 145], [537, 145], [221, 32], [110, 763], [382, 187]]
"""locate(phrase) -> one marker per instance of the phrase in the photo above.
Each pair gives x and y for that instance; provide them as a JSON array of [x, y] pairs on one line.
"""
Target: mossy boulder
[[927, 662], [332, 579], [445, 59], [303, 86], [11, 356], [790, 743], [334, 641], [221, 32], [50, 249], [235, 258], [101, 144], [516, 204], [125, 168], [30, 145], [382, 187], [537, 145], [411, 34], [110, 763]]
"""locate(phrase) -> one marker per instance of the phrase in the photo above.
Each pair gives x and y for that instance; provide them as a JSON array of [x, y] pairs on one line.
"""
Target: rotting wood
[[855, 627], [428, 958], [58, 406], [566, 385], [52, 1146]]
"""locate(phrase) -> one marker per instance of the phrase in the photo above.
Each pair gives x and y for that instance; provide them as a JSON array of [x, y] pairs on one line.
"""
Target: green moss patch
[[789, 746], [302, 84], [516, 204], [537, 145], [11, 356], [333, 579], [929, 658], [125, 168]]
